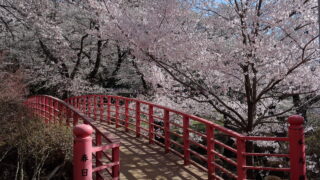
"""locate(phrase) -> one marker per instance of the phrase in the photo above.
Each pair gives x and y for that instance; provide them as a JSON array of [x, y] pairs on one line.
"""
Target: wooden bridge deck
[[140, 160]]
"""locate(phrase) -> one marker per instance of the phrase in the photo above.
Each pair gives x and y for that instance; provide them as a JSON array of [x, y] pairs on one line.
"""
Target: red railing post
[[126, 124], [82, 152], [210, 148], [297, 148], [101, 108], [55, 107], [115, 158], [89, 106], [68, 116], [241, 159], [98, 153], [60, 115], [166, 130], [138, 119], [77, 102], [40, 107], [83, 104], [50, 110], [108, 110], [151, 124], [186, 142], [117, 112], [95, 107], [46, 109], [43, 107], [69, 101], [75, 119]]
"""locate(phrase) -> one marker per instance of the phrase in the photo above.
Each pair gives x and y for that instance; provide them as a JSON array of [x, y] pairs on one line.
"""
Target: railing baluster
[[127, 115], [77, 102], [210, 148], [42, 106], [95, 107], [166, 130], [37, 105], [54, 111], [186, 142], [138, 119], [151, 124], [84, 104], [81, 104], [115, 158], [117, 112], [68, 116], [50, 110], [46, 109], [108, 110], [89, 105], [241, 160], [75, 119], [101, 108], [60, 112], [98, 153]]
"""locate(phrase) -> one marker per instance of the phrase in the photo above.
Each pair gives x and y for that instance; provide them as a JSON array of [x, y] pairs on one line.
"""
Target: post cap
[[295, 120], [82, 130]]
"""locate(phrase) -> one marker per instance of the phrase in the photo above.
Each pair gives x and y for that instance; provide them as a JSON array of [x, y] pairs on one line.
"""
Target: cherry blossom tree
[[245, 58], [59, 45]]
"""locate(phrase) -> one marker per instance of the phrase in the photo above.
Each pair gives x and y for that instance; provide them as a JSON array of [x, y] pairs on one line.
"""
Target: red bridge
[[158, 142]]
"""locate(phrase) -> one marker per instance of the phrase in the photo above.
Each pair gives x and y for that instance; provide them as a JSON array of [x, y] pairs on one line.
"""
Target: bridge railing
[[197, 141], [54, 110]]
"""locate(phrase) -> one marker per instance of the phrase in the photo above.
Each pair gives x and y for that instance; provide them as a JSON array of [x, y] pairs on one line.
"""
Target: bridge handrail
[[135, 119], [52, 109], [205, 121]]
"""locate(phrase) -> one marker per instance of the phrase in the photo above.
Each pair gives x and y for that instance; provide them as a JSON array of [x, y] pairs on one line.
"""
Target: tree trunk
[[63, 70], [98, 60], [76, 67], [111, 82], [144, 83]]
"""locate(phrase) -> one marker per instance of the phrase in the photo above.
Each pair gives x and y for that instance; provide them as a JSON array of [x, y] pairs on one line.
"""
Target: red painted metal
[[151, 125], [138, 119], [68, 116], [297, 148], [95, 107], [101, 107], [241, 159], [116, 158], [90, 105], [117, 113], [109, 110], [166, 122], [82, 152], [210, 148], [75, 119], [186, 141], [126, 125], [98, 153]]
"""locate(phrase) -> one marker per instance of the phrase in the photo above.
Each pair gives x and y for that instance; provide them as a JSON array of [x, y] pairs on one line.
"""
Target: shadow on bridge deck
[[140, 160]]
